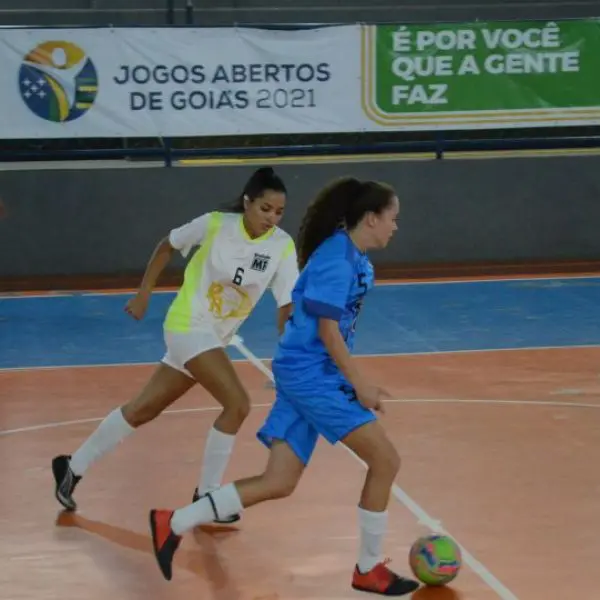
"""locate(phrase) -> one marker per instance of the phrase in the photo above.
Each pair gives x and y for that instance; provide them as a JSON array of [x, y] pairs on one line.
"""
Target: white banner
[[171, 82], [69, 83]]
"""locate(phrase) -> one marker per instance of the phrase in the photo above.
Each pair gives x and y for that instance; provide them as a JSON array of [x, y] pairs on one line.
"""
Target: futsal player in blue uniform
[[320, 389]]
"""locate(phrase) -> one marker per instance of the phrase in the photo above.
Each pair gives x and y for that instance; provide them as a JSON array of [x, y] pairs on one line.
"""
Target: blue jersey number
[[362, 285]]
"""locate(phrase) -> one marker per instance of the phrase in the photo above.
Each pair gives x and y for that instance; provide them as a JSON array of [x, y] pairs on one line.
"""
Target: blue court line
[[92, 329]]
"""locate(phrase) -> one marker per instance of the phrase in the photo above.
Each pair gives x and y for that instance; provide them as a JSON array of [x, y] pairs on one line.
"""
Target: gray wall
[[91, 221]]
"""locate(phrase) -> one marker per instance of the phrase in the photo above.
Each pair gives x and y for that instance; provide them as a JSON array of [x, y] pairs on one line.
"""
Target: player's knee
[[139, 413], [395, 462], [237, 415], [243, 410], [280, 487], [386, 463], [237, 412]]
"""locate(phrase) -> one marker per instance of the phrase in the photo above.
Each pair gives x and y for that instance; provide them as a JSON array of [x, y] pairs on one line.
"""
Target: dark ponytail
[[343, 203], [262, 179]]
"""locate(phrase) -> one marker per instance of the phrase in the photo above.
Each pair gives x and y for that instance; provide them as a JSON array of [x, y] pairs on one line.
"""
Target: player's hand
[[372, 396], [137, 306]]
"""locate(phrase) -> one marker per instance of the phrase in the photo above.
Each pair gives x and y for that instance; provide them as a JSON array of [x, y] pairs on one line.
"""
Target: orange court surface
[[495, 412]]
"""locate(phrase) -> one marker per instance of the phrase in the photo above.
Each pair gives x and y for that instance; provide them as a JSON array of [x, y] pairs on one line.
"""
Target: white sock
[[373, 526], [109, 433], [217, 452], [227, 502]]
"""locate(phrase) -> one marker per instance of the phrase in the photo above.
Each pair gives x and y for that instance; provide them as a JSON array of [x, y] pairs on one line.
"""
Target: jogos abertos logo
[[58, 81]]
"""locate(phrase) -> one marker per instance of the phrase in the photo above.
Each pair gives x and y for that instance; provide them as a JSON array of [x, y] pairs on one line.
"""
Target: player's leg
[[370, 443], [166, 385], [214, 371], [291, 441], [339, 417]]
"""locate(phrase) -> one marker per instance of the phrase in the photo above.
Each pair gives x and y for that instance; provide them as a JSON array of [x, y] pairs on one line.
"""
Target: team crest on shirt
[[260, 262], [228, 301]]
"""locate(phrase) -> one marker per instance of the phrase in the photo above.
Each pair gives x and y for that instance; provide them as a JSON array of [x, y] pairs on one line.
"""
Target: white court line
[[203, 409], [370, 355], [423, 517], [382, 283], [418, 511], [436, 526], [399, 494], [56, 424]]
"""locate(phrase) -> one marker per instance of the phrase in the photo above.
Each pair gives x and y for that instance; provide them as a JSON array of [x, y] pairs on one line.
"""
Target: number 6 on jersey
[[239, 275]]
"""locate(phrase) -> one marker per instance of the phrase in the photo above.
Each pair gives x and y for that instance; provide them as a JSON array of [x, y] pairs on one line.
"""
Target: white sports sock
[[217, 452], [227, 502], [373, 526], [109, 433]]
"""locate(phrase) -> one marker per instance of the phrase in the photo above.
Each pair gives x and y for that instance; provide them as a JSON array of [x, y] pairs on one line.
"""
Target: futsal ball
[[435, 559]]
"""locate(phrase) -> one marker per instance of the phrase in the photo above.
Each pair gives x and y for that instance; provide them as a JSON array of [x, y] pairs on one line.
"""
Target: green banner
[[475, 73]]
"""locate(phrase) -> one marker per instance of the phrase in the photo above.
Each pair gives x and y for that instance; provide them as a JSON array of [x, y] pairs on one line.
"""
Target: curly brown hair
[[342, 203]]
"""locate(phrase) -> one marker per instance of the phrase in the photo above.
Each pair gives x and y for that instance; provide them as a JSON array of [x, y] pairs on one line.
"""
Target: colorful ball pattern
[[435, 559]]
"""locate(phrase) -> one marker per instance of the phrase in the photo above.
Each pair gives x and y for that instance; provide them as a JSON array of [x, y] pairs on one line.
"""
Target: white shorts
[[183, 346]]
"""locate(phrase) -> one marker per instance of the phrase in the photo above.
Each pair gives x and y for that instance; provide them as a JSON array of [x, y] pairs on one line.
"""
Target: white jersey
[[228, 274]]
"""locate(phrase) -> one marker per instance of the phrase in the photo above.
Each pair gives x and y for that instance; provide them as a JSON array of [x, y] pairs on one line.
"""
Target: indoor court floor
[[496, 412]]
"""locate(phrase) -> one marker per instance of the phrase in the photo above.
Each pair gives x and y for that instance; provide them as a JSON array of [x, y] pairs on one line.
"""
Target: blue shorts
[[299, 418]]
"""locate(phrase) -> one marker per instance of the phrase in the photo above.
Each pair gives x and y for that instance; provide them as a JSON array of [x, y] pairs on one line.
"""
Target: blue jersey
[[332, 285]]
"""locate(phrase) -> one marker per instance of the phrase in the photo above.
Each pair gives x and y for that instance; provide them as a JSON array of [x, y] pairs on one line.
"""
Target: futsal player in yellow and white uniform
[[241, 254]]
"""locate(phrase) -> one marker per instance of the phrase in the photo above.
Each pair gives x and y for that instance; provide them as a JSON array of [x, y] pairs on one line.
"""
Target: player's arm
[[183, 239], [368, 395], [283, 283], [326, 295], [331, 336], [160, 258]]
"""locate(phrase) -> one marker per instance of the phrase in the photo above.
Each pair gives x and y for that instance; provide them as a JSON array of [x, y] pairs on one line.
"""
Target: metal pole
[[170, 12], [189, 12]]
